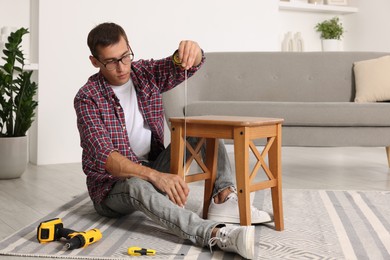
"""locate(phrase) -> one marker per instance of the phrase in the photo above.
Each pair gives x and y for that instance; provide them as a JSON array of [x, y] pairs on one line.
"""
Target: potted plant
[[17, 106], [331, 32]]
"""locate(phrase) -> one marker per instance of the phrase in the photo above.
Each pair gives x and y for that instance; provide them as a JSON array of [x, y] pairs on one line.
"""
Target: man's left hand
[[190, 54]]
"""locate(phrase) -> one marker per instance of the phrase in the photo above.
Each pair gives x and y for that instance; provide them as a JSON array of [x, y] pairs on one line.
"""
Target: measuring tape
[[177, 61], [185, 123]]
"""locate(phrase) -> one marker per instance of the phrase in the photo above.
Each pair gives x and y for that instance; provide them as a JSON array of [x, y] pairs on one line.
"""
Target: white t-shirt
[[138, 130]]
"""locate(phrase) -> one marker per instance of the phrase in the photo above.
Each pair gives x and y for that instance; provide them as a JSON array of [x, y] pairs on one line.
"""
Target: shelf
[[32, 66], [320, 8]]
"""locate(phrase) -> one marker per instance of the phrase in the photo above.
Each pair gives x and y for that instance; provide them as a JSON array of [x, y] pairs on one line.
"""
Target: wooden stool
[[243, 130]]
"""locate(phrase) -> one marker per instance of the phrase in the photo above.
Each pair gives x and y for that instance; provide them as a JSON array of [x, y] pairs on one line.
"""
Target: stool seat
[[243, 131]]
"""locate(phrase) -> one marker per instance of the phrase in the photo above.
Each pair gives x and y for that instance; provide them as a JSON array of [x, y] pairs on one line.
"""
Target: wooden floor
[[42, 189]]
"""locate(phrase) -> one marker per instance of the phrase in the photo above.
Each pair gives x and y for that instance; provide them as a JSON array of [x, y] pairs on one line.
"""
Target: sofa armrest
[[174, 102]]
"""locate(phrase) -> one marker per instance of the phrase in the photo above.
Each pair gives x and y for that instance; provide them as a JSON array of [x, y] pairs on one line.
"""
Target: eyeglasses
[[113, 64]]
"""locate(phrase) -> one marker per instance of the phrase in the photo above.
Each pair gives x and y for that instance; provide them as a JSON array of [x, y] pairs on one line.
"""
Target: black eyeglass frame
[[116, 61]]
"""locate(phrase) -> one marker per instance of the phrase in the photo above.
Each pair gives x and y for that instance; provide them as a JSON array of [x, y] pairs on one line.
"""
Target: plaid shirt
[[101, 121]]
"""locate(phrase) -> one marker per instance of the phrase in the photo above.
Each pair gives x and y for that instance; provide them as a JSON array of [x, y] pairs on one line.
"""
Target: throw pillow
[[372, 80]]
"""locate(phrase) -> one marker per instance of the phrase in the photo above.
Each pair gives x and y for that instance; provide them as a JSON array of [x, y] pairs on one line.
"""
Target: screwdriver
[[138, 251]]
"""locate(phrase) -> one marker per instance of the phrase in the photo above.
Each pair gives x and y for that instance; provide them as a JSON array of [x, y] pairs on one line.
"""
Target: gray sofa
[[313, 91]]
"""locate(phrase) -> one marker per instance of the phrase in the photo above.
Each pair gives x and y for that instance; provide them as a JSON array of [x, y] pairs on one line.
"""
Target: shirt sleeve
[[95, 139], [164, 73]]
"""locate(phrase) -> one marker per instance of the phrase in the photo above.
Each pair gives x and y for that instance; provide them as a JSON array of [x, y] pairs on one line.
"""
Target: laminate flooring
[[41, 189]]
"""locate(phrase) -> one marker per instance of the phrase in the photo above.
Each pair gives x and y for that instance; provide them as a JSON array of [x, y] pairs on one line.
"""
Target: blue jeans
[[134, 194]]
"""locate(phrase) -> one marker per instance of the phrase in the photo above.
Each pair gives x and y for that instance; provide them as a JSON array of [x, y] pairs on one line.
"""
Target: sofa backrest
[[273, 76]]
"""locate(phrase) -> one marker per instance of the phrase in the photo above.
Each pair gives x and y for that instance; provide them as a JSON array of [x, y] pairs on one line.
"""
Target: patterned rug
[[318, 225]]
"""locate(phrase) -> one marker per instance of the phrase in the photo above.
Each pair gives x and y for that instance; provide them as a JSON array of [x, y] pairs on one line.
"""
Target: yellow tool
[[176, 59], [138, 251], [53, 230], [83, 239]]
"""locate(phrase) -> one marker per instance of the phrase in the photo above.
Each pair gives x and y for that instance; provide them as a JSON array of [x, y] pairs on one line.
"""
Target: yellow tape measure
[[175, 58]]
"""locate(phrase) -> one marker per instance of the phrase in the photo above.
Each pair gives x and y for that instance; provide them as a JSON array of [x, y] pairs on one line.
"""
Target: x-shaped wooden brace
[[260, 160]]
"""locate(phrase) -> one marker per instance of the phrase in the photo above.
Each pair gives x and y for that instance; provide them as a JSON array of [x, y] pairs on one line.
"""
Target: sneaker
[[237, 239], [228, 212]]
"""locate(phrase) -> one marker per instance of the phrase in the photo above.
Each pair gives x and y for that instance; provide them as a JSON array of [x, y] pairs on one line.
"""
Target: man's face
[[111, 54]]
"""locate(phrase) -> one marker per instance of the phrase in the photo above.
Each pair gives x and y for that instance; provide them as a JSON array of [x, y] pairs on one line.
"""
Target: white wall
[[8, 9], [155, 29], [369, 30]]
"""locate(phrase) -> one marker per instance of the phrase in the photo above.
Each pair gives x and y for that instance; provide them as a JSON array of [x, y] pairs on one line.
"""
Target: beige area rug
[[318, 225]]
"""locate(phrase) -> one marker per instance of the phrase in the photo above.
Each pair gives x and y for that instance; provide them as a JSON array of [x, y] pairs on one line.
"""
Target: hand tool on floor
[[53, 230], [139, 251], [83, 239]]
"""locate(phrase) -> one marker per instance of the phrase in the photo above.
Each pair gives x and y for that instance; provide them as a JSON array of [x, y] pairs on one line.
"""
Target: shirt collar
[[105, 86]]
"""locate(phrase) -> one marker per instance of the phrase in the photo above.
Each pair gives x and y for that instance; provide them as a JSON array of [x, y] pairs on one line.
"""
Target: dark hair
[[104, 35]]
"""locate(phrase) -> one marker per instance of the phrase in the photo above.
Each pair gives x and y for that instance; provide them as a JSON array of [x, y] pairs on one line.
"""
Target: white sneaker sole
[[234, 220], [250, 241]]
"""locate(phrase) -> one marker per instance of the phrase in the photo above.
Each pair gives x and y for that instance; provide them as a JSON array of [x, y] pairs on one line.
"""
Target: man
[[121, 120]]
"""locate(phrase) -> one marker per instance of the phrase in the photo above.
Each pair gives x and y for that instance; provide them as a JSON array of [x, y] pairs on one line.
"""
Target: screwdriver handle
[[138, 251]]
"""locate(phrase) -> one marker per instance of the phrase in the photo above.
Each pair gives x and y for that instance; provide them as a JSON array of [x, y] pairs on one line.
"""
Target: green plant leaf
[[25, 103], [8, 68], [17, 91], [330, 29]]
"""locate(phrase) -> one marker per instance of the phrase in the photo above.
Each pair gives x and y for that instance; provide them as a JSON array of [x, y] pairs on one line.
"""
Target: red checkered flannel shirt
[[101, 121]]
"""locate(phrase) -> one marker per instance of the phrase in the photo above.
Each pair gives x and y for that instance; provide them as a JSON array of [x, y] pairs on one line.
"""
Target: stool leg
[[274, 157], [241, 155], [177, 149], [211, 164]]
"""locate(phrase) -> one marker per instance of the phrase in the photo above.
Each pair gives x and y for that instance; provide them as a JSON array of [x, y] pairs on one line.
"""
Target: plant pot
[[13, 157], [331, 45]]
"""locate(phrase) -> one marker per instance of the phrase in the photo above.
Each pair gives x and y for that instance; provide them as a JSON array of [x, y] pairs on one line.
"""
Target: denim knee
[[105, 211]]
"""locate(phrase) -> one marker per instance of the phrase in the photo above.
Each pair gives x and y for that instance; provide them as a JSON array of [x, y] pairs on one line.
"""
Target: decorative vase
[[316, 2], [331, 45], [298, 42], [13, 157], [288, 42]]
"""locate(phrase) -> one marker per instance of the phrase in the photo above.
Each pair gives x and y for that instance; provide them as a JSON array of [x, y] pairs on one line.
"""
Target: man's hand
[[190, 54], [172, 185]]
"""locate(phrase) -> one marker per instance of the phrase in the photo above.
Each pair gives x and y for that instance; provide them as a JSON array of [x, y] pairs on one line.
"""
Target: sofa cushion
[[372, 80], [300, 113]]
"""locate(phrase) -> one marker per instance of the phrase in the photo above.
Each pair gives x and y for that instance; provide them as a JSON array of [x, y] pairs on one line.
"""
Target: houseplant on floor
[[331, 32], [17, 106]]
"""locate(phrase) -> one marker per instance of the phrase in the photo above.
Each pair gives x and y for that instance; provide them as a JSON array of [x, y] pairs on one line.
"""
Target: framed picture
[[336, 2]]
